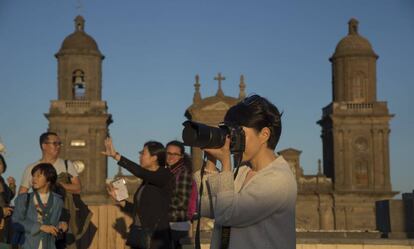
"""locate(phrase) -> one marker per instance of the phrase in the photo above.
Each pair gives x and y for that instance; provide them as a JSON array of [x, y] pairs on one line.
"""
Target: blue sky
[[154, 49]]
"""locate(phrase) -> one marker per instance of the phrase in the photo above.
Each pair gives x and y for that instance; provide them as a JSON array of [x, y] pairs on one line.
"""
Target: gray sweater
[[261, 214]]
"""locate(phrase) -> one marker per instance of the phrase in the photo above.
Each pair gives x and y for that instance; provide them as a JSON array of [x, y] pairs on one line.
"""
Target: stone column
[[326, 221], [386, 163], [347, 158], [340, 219]]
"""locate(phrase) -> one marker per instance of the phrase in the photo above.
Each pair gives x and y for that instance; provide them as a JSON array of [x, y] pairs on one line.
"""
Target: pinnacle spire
[[320, 167], [120, 171], [353, 27], [242, 87], [79, 24], [197, 94]]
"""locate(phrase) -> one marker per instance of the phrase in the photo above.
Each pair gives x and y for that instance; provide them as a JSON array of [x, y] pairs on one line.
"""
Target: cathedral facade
[[355, 171], [355, 140]]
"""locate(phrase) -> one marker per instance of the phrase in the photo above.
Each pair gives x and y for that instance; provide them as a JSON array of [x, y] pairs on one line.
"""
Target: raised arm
[[160, 177]]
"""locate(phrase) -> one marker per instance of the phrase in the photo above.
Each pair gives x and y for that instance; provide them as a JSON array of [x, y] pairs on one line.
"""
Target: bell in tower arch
[[79, 85]]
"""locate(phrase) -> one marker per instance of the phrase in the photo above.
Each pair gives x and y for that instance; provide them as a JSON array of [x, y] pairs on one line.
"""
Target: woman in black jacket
[[152, 199], [7, 192]]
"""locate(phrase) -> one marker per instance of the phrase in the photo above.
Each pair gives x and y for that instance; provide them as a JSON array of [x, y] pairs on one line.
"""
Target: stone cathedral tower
[[79, 115], [355, 126]]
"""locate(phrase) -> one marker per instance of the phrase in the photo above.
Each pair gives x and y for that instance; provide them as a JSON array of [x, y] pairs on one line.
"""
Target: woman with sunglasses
[[257, 208], [150, 227]]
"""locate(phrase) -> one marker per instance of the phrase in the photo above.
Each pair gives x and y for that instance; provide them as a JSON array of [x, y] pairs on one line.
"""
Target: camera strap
[[225, 231], [202, 171]]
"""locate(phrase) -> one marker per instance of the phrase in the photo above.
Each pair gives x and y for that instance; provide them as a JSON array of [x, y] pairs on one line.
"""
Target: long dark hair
[[257, 112], [156, 149], [4, 163], [186, 159]]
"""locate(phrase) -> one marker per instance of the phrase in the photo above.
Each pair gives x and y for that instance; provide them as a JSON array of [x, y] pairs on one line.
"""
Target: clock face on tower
[[361, 144]]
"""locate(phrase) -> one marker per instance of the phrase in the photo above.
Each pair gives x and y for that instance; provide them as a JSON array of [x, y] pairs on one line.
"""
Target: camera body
[[204, 136], [60, 235]]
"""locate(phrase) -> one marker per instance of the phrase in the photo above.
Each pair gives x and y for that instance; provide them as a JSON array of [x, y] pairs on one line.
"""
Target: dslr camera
[[204, 136], [60, 235]]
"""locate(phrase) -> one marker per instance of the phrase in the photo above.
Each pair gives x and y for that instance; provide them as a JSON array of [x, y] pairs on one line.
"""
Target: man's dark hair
[[48, 171], [178, 144], [157, 149], [4, 163], [257, 112], [45, 136]]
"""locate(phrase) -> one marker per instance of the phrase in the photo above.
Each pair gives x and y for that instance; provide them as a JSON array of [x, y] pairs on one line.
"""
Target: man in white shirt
[[50, 145]]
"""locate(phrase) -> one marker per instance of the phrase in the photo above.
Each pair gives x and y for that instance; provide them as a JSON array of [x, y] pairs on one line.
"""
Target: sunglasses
[[173, 154], [54, 143]]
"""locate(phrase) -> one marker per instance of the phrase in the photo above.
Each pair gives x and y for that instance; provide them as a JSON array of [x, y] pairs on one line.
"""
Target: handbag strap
[[26, 206], [200, 194], [67, 173]]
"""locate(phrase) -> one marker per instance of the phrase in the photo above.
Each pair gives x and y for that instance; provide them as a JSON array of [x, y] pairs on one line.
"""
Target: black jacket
[[6, 196], [154, 203]]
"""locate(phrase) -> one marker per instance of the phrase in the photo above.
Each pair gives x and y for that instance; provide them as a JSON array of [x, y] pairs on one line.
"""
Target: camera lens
[[203, 136]]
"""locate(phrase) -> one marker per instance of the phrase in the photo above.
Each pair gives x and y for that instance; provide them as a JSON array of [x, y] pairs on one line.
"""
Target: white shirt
[[261, 213], [59, 165]]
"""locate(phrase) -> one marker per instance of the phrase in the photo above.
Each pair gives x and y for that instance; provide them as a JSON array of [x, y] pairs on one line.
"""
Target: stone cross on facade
[[197, 94], [219, 78]]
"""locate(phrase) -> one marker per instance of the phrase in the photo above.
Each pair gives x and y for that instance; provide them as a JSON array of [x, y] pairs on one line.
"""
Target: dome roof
[[79, 40], [353, 43]]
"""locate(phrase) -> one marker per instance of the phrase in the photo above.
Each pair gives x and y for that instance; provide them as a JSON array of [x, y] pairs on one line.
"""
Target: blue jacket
[[29, 225]]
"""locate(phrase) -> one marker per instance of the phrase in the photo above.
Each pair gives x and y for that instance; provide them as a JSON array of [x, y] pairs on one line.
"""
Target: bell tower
[[79, 115], [355, 125]]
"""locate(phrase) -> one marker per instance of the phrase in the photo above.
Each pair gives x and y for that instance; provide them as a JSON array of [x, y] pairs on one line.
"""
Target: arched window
[[359, 87], [361, 172], [78, 85]]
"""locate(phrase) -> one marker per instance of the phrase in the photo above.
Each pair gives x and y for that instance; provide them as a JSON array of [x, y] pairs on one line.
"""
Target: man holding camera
[[181, 166]]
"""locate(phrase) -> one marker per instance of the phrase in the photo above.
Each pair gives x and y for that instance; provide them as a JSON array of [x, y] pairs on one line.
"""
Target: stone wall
[[108, 229], [354, 244], [345, 244]]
